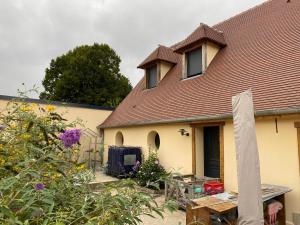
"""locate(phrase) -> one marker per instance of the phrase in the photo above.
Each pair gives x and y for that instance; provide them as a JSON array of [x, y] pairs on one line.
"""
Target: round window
[[119, 139], [153, 140], [157, 141]]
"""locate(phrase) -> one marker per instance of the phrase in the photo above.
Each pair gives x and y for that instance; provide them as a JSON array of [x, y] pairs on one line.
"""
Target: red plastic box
[[213, 187]]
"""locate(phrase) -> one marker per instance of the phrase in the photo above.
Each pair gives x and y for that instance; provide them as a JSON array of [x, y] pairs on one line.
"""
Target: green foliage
[[101, 154], [42, 183], [87, 75], [151, 171]]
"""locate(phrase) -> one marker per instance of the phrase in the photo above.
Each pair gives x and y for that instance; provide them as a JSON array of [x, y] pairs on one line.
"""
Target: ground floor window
[[119, 139], [153, 140]]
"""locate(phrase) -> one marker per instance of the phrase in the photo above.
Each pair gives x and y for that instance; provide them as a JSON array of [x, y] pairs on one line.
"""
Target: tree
[[86, 75]]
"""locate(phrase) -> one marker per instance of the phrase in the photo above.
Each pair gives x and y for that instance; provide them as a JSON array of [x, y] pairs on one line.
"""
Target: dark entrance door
[[211, 151]]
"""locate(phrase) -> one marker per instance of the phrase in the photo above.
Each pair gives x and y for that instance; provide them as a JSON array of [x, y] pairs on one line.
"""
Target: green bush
[[42, 183], [151, 172]]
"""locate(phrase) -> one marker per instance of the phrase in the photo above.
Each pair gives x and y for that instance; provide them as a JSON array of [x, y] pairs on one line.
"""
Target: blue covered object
[[121, 160]]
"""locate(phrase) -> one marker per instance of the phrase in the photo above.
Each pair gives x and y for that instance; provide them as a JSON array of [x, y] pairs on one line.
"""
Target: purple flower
[[2, 127], [70, 137], [39, 186], [136, 166]]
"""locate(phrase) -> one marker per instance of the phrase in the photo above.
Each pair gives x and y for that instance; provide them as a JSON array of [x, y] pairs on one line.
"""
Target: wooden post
[[222, 153], [193, 151]]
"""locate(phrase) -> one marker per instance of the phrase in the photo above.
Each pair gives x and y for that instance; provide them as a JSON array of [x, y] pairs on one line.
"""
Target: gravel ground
[[100, 176], [175, 218]]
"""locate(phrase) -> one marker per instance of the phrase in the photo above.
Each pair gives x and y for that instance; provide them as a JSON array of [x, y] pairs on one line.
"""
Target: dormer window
[[151, 76], [157, 65], [199, 49], [194, 62]]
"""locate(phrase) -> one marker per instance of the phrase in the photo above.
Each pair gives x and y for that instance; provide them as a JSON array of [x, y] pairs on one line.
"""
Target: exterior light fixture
[[183, 132]]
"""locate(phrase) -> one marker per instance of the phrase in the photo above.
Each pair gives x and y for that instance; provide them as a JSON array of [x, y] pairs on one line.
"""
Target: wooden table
[[200, 214], [205, 207]]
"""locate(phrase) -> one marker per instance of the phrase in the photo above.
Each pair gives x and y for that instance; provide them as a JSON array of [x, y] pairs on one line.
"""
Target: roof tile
[[262, 53], [161, 53], [202, 33]]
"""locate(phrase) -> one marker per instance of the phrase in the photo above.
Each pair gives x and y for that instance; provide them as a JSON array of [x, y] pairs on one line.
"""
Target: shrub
[[151, 171], [42, 183]]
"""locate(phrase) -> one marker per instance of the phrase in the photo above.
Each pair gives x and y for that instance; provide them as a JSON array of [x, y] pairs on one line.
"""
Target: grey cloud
[[32, 32]]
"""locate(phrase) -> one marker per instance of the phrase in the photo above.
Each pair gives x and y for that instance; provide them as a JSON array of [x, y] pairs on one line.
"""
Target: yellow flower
[[55, 176], [25, 108], [25, 136], [2, 162], [50, 108], [80, 167], [33, 105]]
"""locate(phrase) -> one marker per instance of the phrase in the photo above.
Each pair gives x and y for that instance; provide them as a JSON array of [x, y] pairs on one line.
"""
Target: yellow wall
[[211, 51], [278, 152], [175, 152], [91, 117], [278, 158], [164, 69], [199, 151]]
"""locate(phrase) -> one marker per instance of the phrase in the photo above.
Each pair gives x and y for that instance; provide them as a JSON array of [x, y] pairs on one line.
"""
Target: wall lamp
[[183, 132]]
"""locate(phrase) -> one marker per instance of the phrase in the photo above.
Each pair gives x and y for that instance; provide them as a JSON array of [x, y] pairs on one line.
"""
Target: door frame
[[221, 125]]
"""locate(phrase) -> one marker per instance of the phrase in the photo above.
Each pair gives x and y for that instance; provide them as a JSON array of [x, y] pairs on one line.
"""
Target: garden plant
[[42, 183], [151, 173]]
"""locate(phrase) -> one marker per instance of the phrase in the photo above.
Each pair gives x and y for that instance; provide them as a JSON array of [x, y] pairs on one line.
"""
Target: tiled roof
[[262, 53], [161, 53], [202, 33]]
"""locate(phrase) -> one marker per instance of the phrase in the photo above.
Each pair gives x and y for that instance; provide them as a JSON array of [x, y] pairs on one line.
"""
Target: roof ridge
[[204, 29], [223, 21], [210, 27], [158, 49], [244, 12]]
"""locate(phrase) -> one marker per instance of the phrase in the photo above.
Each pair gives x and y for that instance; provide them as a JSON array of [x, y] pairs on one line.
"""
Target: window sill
[[190, 78], [146, 89]]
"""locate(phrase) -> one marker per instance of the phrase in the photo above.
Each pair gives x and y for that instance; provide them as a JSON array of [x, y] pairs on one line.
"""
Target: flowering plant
[[150, 172], [70, 137], [41, 183]]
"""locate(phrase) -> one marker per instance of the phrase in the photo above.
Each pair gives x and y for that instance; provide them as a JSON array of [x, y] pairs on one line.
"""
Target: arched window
[[119, 138], [153, 140]]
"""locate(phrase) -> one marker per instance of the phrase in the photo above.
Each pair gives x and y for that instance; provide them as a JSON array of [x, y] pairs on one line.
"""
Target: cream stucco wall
[[175, 151], [278, 154], [164, 69], [199, 151], [90, 117], [211, 51]]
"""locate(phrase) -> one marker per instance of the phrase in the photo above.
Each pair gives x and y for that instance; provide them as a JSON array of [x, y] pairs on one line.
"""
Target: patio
[[175, 218]]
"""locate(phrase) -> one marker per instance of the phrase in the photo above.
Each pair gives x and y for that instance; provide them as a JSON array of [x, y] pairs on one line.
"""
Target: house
[[182, 105]]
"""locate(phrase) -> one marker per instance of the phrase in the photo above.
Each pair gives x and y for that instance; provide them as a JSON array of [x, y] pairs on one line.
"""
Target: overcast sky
[[32, 32]]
